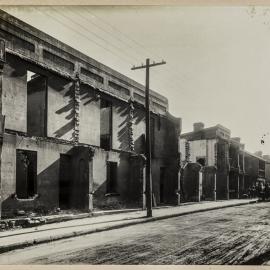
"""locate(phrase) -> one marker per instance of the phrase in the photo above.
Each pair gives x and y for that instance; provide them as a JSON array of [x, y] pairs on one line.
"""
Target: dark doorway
[[111, 177], [162, 184], [36, 104], [82, 185], [208, 183], [26, 174], [233, 185], [65, 181]]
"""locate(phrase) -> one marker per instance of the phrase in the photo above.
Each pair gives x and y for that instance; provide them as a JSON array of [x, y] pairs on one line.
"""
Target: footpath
[[21, 238]]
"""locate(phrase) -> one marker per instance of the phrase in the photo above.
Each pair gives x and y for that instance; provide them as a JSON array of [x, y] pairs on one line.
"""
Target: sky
[[218, 58]]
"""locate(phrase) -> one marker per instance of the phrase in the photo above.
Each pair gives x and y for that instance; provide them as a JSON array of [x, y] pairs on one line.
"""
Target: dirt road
[[236, 235]]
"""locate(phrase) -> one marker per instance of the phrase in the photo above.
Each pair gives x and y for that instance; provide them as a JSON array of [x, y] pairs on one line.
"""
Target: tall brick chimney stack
[[198, 126]]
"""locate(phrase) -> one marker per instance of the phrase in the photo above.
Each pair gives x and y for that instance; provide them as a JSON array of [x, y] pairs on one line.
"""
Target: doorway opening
[[162, 184], [64, 181], [112, 177], [26, 174]]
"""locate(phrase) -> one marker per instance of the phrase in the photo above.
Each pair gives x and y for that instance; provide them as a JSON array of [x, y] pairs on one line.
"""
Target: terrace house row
[[218, 164], [73, 129]]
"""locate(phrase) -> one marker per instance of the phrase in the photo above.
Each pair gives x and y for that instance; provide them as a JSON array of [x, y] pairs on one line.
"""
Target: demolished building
[[73, 129]]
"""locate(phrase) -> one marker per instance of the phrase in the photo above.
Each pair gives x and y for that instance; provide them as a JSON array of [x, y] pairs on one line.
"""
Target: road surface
[[236, 235]]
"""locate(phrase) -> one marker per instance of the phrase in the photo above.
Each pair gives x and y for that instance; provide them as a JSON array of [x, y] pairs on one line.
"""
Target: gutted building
[[207, 147], [255, 169], [73, 129], [217, 164], [267, 168]]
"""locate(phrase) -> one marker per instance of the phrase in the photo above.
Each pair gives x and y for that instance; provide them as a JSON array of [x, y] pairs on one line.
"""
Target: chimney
[[198, 126], [258, 153]]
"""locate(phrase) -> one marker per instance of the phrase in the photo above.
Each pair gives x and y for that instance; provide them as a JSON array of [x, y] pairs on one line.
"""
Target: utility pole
[[148, 135]]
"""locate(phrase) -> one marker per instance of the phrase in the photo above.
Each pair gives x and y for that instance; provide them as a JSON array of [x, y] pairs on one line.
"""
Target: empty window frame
[[162, 184], [105, 124], [26, 174], [36, 104]]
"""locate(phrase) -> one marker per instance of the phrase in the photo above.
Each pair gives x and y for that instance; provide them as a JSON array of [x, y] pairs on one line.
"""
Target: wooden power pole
[[148, 135]]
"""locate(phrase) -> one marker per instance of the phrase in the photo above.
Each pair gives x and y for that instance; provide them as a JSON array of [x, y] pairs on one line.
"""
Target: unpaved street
[[236, 235]]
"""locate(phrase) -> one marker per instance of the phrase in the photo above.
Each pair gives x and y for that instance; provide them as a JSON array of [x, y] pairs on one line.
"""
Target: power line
[[142, 48], [98, 44], [128, 37], [132, 40], [87, 37], [169, 82], [97, 36], [81, 34], [125, 60], [104, 29]]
